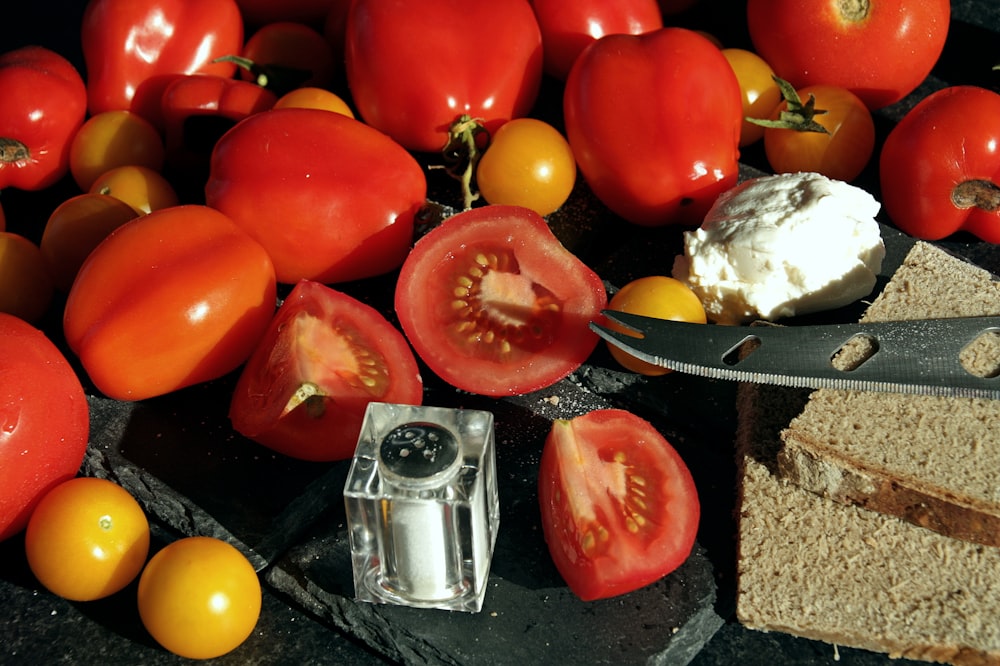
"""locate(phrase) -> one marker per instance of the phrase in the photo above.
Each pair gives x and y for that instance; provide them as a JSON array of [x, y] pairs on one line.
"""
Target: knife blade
[[914, 356]]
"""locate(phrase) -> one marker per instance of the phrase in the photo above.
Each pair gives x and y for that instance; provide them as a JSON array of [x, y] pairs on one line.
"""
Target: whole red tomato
[[619, 506], [569, 27], [880, 50], [940, 166], [325, 356], [132, 48], [44, 104], [494, 304], [414, 68], [170, 299], [330, 198], [654, 142], [44, 421]]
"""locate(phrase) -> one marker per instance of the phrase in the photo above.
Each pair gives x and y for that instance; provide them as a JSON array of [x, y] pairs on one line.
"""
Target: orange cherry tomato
[[761, 94], [314, 98], [25, 283], [199, 597], [841, 153], [75, 228], [528, 163], [654, 296], [142, 188], [87, 538], [111, 139]]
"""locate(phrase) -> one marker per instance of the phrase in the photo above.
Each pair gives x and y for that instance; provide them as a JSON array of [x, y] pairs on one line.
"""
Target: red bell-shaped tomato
[[330, 198], [654, 122], [415, 67]]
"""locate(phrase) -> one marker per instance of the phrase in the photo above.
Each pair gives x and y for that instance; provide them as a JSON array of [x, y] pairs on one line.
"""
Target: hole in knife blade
[[857, 350], [741, 351], [981, 357]]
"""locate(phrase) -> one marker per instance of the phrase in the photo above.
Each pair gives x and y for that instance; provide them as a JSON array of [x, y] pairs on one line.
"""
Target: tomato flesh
[[619, 507], [326, 355], [495, 305]]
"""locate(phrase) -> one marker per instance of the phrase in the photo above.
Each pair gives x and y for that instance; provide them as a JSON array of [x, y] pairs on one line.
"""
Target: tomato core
[[982, 194], [854, 11], [12, 150], [497, 305]]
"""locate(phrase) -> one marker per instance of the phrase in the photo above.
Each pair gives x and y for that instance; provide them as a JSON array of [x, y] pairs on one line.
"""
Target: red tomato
[[880, 50], [44, 421], [842, 152], [44, 104], [87, 539], [619, 507], [156, 307], [680, 148], [344, 206], [568, 27], [133, 48], [494, 303], [414, 68], [940, 166], [326, 355], [286, 55]]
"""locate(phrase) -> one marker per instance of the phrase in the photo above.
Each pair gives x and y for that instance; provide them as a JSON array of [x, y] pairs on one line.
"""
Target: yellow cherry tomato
[[528, 163], [654, 296], [111, 139], [314, 98], [142, 188], [25, 282], [88, 538], [199, 597], [75, 228], [760, 92]]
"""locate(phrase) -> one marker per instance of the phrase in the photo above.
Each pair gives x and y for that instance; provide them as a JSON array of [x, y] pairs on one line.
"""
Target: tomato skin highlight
[[339, 349], [677, 148], [133, 49], [494, 304], [948, 140], [44, 104], [45, 421], [880, 56], [415, 67], [619, 507], [87, 539], [191, 320], [327, 218]]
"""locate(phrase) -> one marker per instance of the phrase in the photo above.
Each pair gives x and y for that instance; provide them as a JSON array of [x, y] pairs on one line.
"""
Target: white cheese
[[778, 246]]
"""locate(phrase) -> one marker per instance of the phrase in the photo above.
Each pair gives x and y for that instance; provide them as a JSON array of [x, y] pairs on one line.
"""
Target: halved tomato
[[325, 356], [619, 507], [494, 304]]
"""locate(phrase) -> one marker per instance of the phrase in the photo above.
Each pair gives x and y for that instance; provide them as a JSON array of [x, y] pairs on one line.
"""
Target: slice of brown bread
[[931, 460], [826, 570]]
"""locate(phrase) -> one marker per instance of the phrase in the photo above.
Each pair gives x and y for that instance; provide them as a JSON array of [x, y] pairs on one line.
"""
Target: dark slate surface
[[179, 457]]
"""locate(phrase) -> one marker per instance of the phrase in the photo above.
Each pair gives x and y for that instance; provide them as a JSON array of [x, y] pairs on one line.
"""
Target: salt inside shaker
[[422, 506]]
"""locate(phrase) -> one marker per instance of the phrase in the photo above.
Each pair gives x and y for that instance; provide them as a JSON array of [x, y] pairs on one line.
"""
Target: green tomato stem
[[461, 154], [798, 115]]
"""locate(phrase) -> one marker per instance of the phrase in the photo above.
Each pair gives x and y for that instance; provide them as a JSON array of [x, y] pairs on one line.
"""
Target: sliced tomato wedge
[[326, 355], [619, 507], [495, 305]]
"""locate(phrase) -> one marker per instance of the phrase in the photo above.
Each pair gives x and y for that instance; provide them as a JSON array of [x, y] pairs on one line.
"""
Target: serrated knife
[[918, 356]]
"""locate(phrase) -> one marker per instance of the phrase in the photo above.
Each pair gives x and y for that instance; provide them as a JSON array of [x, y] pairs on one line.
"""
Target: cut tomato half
[[306, 386], [495, 305], [619, 506]]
